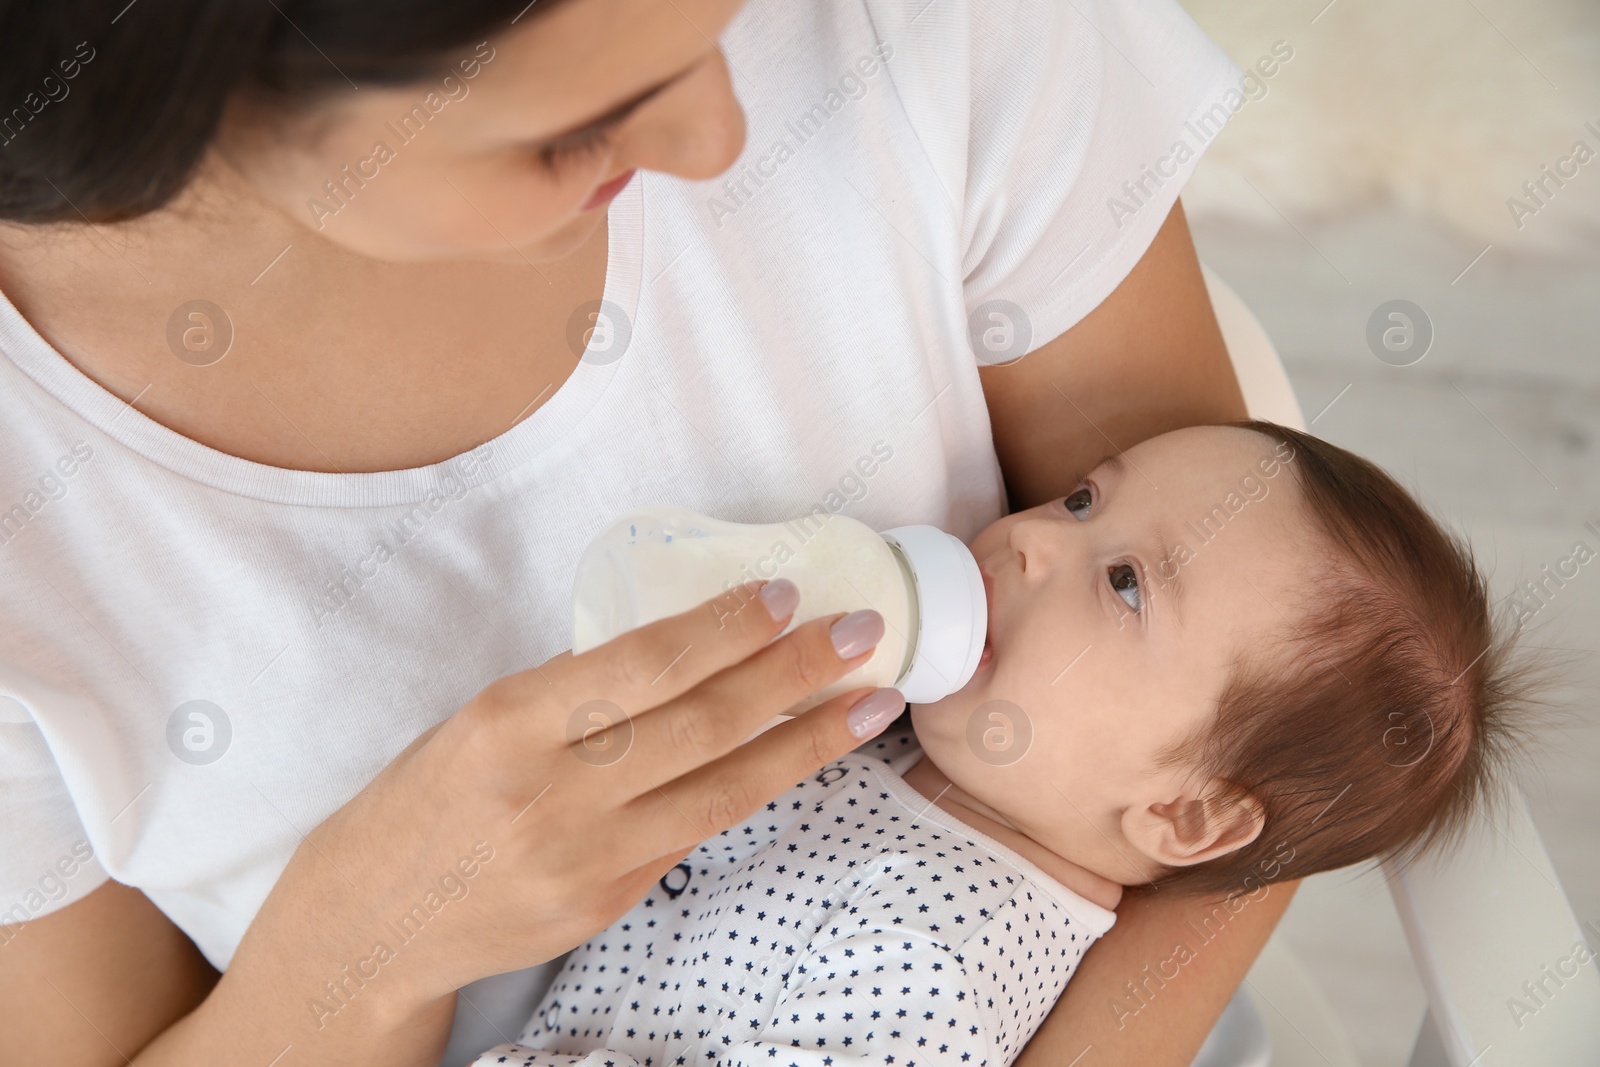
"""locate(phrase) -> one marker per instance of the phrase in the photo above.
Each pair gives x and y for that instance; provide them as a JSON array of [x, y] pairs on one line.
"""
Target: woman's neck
[[928, 780]]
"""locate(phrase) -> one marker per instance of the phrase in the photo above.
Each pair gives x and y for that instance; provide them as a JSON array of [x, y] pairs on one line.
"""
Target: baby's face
[[1115, 616]]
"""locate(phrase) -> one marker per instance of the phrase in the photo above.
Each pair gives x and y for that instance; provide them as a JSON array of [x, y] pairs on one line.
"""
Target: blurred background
[[1386, 159]]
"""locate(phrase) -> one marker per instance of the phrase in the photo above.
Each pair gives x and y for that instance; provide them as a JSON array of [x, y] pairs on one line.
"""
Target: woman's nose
[[695, 130]]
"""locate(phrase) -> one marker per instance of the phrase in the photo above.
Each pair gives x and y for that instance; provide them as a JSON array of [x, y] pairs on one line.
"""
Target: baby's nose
[[1038, 544]]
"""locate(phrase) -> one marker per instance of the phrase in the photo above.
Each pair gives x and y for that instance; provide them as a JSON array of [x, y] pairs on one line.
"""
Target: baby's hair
[[1390, 709]]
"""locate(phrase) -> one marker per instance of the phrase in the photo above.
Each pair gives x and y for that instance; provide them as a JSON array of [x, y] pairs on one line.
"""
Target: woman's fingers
[[650, 665], [669, 704], [722, 794], [710, 720]]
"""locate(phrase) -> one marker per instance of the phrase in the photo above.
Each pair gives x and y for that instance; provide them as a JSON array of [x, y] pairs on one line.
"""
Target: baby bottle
[[663, 560]]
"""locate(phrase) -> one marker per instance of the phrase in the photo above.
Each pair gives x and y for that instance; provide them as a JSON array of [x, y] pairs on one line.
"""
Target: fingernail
[[856, 632], [781, 596], [875, 711]]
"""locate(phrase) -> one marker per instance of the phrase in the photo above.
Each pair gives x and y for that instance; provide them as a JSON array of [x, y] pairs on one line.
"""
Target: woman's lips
[[609, 190]]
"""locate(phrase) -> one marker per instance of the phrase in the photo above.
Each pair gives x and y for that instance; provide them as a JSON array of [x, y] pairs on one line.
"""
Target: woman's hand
[[530, 820]]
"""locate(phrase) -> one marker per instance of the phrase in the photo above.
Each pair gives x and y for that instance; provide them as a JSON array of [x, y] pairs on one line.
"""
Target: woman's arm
[[1149, 359], [64, 983], [497, 829], [1176, 995]]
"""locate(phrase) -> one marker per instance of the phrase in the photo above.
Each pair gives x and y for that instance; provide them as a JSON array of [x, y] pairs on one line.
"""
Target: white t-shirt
[[849, 922], [202, 657]]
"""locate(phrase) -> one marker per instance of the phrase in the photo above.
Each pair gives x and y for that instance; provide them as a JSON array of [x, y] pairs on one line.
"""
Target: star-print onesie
[[849, 922]]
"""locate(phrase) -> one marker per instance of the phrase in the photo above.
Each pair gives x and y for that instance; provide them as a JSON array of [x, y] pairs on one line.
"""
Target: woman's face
[[513, 152]]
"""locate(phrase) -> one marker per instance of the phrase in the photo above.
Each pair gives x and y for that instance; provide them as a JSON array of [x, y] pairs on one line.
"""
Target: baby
[[1233, 655]]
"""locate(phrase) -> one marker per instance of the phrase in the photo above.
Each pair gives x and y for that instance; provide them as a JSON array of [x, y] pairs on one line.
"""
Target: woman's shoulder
[[986, 49], [995, 137]]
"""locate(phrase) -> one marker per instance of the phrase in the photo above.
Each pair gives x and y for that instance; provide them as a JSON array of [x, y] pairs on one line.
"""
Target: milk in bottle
[[663, 560]]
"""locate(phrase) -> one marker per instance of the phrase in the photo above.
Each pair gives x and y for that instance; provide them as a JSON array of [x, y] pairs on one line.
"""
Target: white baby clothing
[[849, 922]]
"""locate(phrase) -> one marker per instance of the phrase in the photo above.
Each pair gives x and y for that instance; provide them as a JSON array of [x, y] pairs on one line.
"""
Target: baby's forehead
[[1210, 450], [1229, 521], [1205, 472]]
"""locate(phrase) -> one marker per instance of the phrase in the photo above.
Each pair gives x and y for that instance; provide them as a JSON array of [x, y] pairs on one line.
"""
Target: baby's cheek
[[989, 540]]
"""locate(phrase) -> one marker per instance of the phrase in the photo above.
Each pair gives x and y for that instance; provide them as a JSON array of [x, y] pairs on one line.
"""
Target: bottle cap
[[952, 612]]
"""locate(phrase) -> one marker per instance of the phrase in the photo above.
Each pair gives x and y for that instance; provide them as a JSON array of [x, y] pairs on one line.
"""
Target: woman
[[335, 331]]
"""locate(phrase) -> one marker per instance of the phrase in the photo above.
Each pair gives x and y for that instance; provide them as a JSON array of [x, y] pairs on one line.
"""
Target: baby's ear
[[1186, 829]]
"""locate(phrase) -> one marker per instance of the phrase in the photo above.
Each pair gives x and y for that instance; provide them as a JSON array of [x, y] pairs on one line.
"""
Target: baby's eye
[[1125, 583], [1079, 501]]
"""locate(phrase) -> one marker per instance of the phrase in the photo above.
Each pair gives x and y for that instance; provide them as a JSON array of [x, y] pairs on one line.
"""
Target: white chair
[[1480, 922]]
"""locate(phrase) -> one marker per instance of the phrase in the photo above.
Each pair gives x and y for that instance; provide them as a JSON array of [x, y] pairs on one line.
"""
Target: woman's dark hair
[[107, 106]]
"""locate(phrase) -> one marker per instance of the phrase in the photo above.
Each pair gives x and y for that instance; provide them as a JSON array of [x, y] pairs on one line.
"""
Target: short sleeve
[[46, 860], [1082, 122]]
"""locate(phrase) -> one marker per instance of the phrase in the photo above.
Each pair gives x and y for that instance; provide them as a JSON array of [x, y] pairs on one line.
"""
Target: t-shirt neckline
[[546, 426]]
